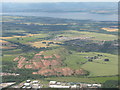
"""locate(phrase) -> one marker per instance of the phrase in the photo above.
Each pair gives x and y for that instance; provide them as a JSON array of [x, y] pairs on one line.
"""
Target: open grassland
[[98, 67], [103, 79], [8, 57], [74, 60], [59, 51]]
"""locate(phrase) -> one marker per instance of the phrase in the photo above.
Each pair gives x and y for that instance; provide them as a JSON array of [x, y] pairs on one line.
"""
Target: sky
[[59, 0]]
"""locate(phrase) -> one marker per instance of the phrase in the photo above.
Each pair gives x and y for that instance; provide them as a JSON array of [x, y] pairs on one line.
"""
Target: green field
[[97, 69], [75, 60]]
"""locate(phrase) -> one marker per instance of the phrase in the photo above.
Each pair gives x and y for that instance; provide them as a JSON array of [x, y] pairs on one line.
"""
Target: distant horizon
[[54, 1], [59, 2]]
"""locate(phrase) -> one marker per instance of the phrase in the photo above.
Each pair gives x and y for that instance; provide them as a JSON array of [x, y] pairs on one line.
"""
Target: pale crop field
[[95, 36]]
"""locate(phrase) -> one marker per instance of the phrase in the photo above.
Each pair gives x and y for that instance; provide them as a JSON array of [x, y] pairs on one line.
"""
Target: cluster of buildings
[[70, 38], [3, 85], [7, 74], [35, 84], [55, 84], [31, 84]]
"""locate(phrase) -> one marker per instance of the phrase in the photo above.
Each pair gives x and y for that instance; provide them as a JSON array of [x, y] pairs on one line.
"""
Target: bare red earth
[[46, 67]]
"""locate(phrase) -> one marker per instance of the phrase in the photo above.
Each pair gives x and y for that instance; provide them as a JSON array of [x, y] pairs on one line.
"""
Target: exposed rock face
[[79, 72], [16, 59], [46, 72], [28, 66], [57, 56], [37, 54], [37, 62], [37, 65], [21, 61], [47, 57], [46, 65], [66, 71]]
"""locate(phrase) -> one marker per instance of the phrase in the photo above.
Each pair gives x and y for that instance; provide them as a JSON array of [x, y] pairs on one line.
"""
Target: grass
[[59, 51], [74, 60], [8, 57], [103, 79], [98, 67], [102, 68]]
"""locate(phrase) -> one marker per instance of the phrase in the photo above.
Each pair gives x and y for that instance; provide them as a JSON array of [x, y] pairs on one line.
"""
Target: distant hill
[[59, 7]]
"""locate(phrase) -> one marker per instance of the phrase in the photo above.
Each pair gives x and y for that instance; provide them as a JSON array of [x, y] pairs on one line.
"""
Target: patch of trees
[[20, 78], [90, 46], [24, 75], [8, 66], [106, 59], [90, 60], [111, 84], [25, 48]]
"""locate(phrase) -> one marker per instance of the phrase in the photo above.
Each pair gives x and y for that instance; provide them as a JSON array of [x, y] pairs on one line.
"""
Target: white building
[[26, 84], [28, 81], [35, 81], [52, 82]]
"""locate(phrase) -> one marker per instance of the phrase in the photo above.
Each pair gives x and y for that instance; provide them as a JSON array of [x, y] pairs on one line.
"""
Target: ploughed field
[[63, 50]]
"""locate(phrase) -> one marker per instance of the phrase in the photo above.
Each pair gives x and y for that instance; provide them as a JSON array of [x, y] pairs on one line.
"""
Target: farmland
[[66, 50]]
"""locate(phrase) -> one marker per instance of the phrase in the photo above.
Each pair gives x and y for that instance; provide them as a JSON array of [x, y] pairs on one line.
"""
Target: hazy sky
[[59, 0]]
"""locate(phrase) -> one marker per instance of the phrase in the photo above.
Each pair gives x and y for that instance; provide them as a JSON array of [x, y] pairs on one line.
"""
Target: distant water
[[70, 15]]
